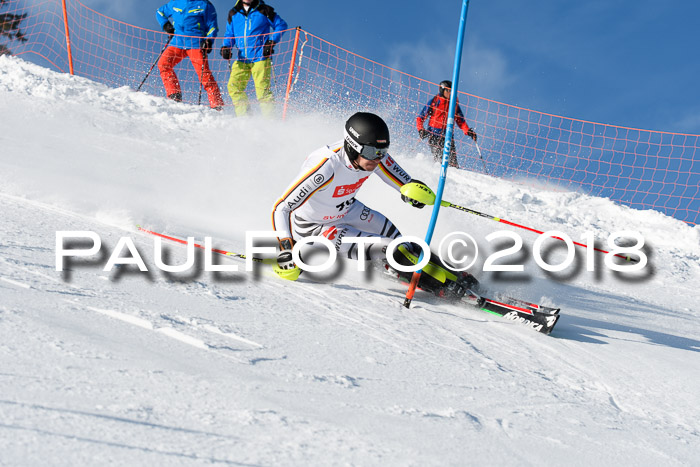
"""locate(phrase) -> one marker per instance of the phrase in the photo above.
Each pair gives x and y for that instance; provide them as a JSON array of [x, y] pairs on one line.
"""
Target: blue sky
[[624, 62]]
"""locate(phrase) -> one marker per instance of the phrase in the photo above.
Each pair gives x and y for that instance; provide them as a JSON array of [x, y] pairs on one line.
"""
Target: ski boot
[[457, 288], [437, 277]]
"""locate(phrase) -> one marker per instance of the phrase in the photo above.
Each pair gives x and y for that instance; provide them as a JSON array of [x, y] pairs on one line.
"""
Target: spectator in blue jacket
[[195, 27], [254, 28]]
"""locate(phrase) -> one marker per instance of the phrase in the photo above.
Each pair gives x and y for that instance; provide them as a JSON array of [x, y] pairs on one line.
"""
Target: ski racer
[[194, 26], [321, 202], [436, 113]]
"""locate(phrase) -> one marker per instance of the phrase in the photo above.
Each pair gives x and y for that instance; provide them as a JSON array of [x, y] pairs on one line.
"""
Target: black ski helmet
[[447, 84], [366, 134]]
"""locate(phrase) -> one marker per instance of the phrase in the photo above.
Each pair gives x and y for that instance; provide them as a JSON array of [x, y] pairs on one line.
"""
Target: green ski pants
[[240, 75]]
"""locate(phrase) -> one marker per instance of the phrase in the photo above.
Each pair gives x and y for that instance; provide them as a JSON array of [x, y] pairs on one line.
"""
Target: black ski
[[540, 318]]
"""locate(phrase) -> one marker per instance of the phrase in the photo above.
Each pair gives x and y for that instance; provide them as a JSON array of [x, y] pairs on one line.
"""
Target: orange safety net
[[644, 169]]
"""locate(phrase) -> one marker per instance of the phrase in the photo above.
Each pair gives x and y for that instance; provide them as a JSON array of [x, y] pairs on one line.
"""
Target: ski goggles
[[371, 153]]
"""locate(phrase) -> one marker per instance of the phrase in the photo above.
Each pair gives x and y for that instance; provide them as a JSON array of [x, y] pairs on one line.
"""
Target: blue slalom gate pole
[[445, 150]]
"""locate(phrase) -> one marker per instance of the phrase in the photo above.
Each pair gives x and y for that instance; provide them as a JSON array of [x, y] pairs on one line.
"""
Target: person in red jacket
[[436, 113]]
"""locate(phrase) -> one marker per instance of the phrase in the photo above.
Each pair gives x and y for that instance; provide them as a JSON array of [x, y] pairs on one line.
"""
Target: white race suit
[[321, 201]]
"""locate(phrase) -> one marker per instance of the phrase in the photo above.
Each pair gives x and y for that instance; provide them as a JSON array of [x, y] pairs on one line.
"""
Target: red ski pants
[[172, 56]]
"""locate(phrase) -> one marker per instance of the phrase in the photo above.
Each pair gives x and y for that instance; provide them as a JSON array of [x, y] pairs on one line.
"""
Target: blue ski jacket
[[248, 31], [193, 18]]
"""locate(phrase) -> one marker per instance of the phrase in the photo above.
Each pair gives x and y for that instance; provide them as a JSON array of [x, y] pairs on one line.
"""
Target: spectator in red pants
[[194, 26]]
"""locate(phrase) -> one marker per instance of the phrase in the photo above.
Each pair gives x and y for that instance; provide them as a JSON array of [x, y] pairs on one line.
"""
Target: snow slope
[[136, 368]]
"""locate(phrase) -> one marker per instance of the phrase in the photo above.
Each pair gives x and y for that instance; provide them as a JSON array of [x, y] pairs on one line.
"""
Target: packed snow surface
[[243, 368]]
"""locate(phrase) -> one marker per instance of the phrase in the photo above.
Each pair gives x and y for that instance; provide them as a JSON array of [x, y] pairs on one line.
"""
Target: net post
[[68, 47], [291, 72]]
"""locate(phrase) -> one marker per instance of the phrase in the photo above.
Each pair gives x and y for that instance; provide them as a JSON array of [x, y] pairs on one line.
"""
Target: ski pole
[[201, 78], [503, 221], [200, 246], [425, 195], [482, 159], [154, 63]]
